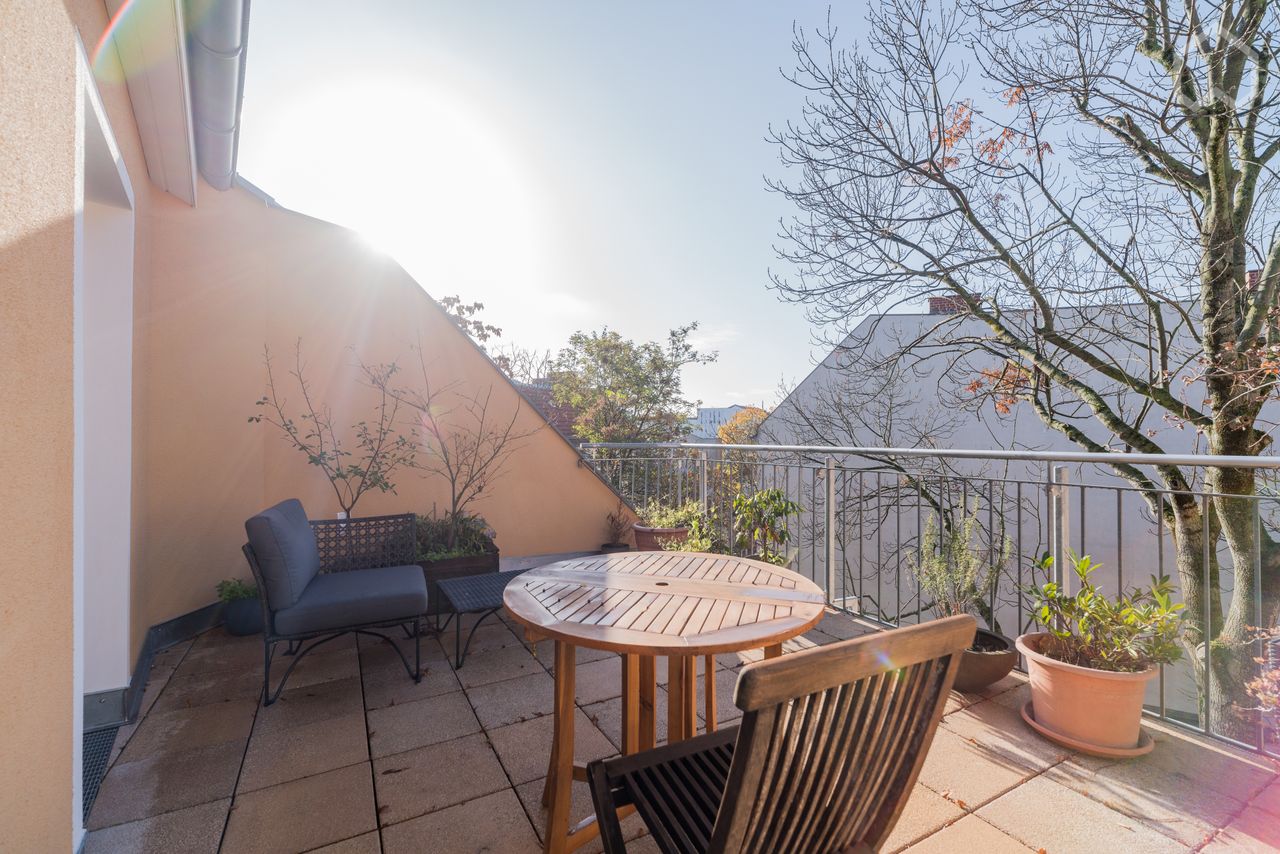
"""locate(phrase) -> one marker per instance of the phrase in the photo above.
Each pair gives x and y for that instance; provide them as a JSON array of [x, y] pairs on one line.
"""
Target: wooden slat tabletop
[[665, 603]]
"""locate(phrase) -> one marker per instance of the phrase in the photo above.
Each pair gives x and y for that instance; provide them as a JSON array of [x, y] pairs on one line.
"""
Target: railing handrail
[[1125, 458]]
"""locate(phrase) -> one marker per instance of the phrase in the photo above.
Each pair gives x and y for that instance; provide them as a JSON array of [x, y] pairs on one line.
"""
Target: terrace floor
[[355, 758]]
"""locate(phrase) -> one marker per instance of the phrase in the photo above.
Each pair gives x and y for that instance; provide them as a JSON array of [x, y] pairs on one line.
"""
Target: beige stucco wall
[[37, 174], [234, 275]]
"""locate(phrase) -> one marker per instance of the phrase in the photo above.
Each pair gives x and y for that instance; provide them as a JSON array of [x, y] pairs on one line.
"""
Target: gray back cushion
[[285, 547]]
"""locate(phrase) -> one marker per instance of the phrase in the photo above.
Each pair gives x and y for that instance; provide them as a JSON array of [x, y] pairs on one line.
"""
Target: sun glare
[[420, 176]]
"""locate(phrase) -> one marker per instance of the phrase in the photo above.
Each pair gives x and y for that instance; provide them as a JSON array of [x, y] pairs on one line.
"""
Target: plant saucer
[[1145, 742]]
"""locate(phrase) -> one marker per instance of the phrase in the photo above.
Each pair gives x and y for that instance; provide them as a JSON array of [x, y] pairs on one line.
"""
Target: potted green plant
[[617, 524], [760, 525], [453, 545], [241, 612], [955, 575], [1090, 667], [662, 526]]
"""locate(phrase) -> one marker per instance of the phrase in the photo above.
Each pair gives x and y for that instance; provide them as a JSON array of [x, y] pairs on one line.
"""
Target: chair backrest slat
[[832, 739]]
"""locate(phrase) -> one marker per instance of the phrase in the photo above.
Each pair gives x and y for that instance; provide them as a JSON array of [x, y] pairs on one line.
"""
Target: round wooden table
[[644, 605]]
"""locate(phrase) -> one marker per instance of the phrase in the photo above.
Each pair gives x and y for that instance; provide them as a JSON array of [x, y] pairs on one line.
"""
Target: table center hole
[[662, 583]]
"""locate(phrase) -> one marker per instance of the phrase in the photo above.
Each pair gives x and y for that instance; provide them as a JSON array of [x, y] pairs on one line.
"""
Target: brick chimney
[[947, 305], [1251, 279]]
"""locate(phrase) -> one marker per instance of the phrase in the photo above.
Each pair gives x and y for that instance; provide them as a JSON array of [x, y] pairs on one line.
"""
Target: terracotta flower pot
[[654, 539], [988, 665], [1099, 710]]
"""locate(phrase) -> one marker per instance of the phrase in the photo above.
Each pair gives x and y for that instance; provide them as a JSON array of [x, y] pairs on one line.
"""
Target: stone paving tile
[[192, 830], [420, 781], [302, 751], [497, 664], [225, 653], [1002, 732], [184, 729], [580, 807], [209, 687], [171, 656], [966, 772], [598, 680], [1269, 799], [969, 834], [525, 748], [926, 812], [303, 814], [391, 686], [399, 728], [1043, 814], [165, 782], [1255, 831], [1184, 789], [492, 634], [494, 823], [157, 678], [513, 700], [376, 653], [365, 843], [323, 665], [310, 703], [607, 717]]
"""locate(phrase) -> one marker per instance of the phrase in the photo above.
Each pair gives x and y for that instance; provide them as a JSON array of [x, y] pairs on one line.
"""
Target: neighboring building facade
[[140, 281], [705, 426]]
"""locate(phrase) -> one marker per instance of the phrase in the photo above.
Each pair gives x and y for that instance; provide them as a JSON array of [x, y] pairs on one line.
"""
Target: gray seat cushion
[[341, 599], [285, 547]]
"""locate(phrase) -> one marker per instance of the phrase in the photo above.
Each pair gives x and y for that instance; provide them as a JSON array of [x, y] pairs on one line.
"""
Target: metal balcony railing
[[865, 512]]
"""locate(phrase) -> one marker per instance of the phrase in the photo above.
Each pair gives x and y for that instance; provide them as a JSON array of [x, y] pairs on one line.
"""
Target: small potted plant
[[1090, 667], [954, 575], [665, 527], [617, 524], [241, 612], [453, 545]]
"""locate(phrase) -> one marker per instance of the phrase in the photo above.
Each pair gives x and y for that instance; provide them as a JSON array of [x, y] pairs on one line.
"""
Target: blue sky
[[571, 165]]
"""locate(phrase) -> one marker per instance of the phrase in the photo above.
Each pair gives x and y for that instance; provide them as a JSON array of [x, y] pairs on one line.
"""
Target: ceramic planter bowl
[[1098, 711], [980, 668], [653, 539], [243, 617]]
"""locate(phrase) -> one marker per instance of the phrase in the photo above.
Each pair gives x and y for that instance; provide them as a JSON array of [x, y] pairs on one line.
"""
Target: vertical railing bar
[[1119, 539], [994, 579], [897, 546], [1020, 557], [1208, 612], [1164, 713], [1084, 547], [831, 528], [922, 485], [879, 549], [1261, 651], [862, 523]]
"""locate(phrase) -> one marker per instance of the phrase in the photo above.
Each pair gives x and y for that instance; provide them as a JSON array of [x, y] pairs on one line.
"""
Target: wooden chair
[[828, 750]]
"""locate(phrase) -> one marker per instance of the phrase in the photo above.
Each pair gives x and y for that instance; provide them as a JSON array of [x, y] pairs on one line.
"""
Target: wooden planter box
[[436, 571]]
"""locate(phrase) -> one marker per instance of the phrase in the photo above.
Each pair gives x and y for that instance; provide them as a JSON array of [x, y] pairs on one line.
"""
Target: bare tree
[[381, 448], [1091, 181], [461, 438]]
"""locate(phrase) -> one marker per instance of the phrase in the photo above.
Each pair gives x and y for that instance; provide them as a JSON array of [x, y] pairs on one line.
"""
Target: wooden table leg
[[560, 780], [772, 651], [709, 693], [648, 692], [682, 697], [630, 703]]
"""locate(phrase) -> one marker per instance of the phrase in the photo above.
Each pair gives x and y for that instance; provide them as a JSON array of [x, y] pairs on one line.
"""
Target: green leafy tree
[[627, 391]]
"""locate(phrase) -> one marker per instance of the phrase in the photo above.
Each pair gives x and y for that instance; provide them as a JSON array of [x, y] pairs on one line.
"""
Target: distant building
[[705, 426]]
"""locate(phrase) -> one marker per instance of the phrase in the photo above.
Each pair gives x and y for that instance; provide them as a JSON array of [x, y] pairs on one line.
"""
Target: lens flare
[[142, 31]]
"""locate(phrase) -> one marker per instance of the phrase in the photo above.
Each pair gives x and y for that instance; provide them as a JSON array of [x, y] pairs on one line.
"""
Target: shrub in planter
[[451, 546], [760, 525], [1090, 667], [242, 612], [617, 524], [956, 575], [665, 527]]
